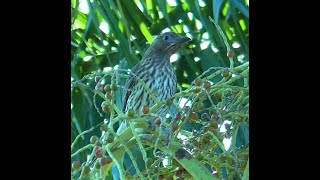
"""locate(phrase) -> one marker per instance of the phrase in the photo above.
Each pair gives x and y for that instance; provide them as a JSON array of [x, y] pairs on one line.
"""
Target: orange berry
[[99, 153], [197, 82], [194, 116], [175, 127], [106, 108], [145, 109], [226, 74], [230, 54], [207, 86]]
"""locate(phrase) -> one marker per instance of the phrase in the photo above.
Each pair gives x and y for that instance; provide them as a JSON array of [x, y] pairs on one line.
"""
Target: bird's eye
[[166, 37]]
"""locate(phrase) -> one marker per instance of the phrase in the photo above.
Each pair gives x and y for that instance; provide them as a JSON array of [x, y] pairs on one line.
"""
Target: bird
[[156, 71]]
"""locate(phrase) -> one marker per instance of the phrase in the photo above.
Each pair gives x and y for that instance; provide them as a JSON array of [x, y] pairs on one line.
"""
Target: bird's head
[[168, 43]]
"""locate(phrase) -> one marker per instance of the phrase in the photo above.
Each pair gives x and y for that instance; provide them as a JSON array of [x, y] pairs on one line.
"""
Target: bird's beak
[[182, 40]]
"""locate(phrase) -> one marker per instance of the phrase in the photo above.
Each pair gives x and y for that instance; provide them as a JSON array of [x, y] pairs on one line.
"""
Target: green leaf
[[239, 5], [216, 5]]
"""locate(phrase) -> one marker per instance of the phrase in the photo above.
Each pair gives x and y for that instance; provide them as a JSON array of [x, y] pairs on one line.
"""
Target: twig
[[76, 139], [82, 149], [224, 40]]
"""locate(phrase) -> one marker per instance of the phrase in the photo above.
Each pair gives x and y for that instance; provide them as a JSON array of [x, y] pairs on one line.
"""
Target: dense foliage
[[211, 107]]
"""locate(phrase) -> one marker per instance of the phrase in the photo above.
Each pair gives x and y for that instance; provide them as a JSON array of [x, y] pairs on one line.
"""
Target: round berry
[[107, 88], [197, 82], [108, 95], [113, 87], [145, 109], [130, 113], [96, 148], [212, 111], [99, 153], [97, 165], [179, 173], [98, 143], [106, 108], [158, 122], [97, 78], [85, 170], [110, 138], [93, 139], [207, 86], [76, 165], [205, 140], [205, 117], [226, 74], [105, 160], [201, 106], [194, 116], [212, 129], [175, 127], [178, 116], [218, 96], [230, 54], [160, 177], [197, 90], [169, 102], [213, 124], [199, 157], [170, 178], [104, 127]]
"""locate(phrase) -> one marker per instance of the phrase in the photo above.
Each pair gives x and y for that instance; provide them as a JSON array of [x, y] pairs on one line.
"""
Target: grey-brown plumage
[[156, 72]]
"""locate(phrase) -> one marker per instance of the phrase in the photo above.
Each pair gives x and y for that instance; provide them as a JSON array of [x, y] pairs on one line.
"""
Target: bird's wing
[[130, 84]]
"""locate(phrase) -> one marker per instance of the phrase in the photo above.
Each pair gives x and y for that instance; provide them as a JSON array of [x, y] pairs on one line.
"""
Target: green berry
[[110, 138], [107, 88], [93, 139], [104, 127], [130, 113]]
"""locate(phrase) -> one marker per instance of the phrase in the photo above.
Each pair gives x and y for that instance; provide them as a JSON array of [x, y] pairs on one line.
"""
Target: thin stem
[[82, 149], [78, 136]]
